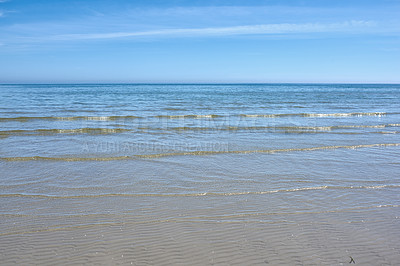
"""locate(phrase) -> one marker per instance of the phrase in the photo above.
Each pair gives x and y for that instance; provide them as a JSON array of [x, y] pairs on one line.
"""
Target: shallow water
[[200, 174]]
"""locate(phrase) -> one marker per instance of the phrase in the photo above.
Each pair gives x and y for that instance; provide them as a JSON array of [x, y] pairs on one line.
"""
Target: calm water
[[200, 174]]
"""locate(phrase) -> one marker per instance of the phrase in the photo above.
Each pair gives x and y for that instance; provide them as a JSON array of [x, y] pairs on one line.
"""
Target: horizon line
[[201, 83]]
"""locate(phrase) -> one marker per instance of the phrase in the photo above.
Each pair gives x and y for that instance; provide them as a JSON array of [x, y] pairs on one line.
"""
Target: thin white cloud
[[264, 29], [2, 12]]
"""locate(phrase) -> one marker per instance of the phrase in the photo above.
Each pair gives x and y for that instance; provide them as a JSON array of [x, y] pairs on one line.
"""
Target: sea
[[199, 174]]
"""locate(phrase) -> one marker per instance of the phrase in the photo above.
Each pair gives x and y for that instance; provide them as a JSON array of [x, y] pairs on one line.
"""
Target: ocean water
[[200, 174]]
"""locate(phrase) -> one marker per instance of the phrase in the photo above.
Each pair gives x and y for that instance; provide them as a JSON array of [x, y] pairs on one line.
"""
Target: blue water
[[71, 120], [205, 153]]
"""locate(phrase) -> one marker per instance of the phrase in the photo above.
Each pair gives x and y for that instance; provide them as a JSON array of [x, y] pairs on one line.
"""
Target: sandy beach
[[181, 181]]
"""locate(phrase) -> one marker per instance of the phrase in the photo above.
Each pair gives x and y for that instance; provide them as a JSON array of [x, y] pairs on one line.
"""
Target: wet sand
[[178, 218], [213, 234]]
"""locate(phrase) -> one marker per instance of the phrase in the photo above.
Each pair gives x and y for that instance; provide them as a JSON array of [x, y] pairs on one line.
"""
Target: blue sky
[[97, 41]]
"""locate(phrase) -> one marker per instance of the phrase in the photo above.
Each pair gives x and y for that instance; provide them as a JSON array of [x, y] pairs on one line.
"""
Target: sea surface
[[234, 174]]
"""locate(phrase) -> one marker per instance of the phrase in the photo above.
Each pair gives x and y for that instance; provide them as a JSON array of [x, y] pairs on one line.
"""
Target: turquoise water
[[74, 157]]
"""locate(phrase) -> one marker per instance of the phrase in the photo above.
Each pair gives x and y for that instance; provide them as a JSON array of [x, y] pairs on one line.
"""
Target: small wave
[[41, 132], [315, 115], [66, 118], [285, 129], [65, 159], [364, 187], [388, 206], [187, 116], [360, 126], [221, 194], [266, 151], [194, 153], [239, 128], [388, 132], [271, 129], [216, 194]]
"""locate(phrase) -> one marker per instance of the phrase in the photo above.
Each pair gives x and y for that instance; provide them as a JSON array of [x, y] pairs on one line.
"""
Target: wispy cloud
[[263, 29], [2, 12]]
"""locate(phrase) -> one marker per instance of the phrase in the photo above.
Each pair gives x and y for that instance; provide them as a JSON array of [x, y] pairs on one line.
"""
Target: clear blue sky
[[50, 41]]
